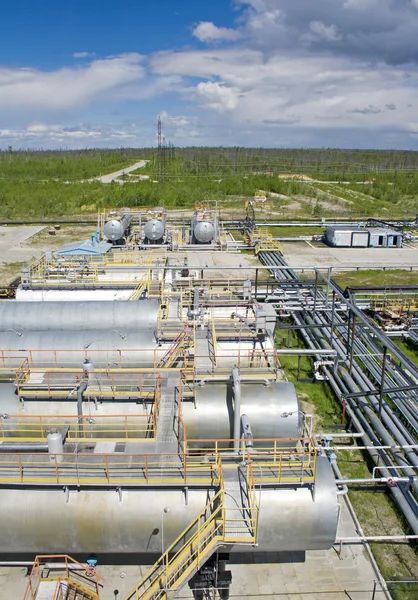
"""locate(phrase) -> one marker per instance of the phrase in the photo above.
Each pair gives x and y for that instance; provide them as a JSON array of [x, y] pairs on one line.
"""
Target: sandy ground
[[297, 254], [19, 244], [14, 252]]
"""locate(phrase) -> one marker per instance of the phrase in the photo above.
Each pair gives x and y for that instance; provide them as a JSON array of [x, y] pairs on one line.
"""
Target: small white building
[[345, 236]]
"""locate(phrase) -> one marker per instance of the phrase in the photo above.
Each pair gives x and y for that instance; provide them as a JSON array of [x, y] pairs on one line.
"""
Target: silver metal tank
[[154, 230], [115, 229], [203, 231], [55, 445], [93, 520], [211, 416], [17, 317], [70, 348]]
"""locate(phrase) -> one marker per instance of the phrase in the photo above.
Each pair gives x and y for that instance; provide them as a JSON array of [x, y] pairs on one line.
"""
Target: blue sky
[[91, 73]]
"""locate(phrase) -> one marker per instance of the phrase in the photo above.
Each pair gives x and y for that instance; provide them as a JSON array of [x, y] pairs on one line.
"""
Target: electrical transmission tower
[[165, 152], [159, 151]]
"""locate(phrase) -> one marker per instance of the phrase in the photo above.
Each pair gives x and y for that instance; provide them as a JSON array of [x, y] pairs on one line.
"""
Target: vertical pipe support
[[80, 397], [382, 381], [236, 385]]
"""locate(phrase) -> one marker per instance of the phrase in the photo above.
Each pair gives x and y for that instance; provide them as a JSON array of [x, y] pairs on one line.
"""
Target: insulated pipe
[[23, 447], [374, 330], [340, 480], [80, 397], [383, 433], [236, 384], [361, 424]]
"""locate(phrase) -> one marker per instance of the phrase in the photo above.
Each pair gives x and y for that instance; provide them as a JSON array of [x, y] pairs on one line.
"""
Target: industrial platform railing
[[279, 462], [67, 574], [87, 428], [139, 361], [109, 383]]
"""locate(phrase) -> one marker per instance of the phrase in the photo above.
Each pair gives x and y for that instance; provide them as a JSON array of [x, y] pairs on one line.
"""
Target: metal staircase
[[155, 285], [141, 288], [176, 348], [231, 517]]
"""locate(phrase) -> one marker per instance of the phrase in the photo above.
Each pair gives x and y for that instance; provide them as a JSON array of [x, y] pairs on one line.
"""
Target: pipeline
[[23, 447]]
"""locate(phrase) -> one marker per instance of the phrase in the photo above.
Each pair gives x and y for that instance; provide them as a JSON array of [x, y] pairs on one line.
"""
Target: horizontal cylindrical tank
[[211, 416], [115, 229], [66, 295], [17, 318], [203, 231], [97, 521], [105, 348], [154, 230]]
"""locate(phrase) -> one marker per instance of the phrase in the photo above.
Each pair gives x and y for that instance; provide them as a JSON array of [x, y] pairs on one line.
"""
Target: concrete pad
[[10, 240], [302, 255]]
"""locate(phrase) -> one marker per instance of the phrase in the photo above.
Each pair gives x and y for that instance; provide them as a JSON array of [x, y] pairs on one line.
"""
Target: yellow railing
[[141, 287], [276, 461], [105, 383], [168, 574], [66, 572], [214, 525], [179, 346], [117, 428], [214, 344], [108, 469]]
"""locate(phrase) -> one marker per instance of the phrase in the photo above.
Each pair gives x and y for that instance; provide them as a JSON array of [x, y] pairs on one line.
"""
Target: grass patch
[[376, 277], [9, 271], [408, 347]]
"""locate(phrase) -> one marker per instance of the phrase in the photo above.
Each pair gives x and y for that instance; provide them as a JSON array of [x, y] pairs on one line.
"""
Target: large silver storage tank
[[70, 348], [17, 317], [211, 416], [115, 229], [40, 521]]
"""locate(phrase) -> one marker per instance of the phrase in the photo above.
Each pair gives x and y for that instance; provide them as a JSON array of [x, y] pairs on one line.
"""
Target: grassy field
[[43, 184], [376, 277], [408, 347]]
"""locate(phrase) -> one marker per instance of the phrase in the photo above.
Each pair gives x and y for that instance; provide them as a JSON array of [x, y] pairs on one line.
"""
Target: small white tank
[[204, 231], [154, 230], [114, 230], [88, 368], [55, 445]]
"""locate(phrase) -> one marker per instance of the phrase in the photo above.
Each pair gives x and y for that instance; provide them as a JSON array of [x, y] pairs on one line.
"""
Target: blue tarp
[[85, 247]]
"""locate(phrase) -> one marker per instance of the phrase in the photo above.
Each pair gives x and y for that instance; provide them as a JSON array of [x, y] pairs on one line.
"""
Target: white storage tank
[[204, 225]]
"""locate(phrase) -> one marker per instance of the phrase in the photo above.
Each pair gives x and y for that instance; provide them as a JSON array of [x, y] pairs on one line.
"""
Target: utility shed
[[385, 238], [355, 237], [347, 237], [85, 248]]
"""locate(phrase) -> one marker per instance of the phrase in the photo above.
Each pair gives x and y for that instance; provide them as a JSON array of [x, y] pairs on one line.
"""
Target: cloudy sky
[[285, 73]]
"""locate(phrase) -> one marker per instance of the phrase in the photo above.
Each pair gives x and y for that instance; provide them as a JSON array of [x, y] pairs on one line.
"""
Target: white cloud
[[84, 54], [216, 96], [67, 87], [206, 31]]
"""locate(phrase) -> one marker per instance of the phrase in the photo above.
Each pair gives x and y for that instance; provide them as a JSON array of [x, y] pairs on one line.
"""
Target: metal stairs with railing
[[179, 344], [231, 517]]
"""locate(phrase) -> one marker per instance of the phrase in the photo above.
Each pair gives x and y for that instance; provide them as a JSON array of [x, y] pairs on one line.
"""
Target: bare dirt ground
[[18, 245]]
